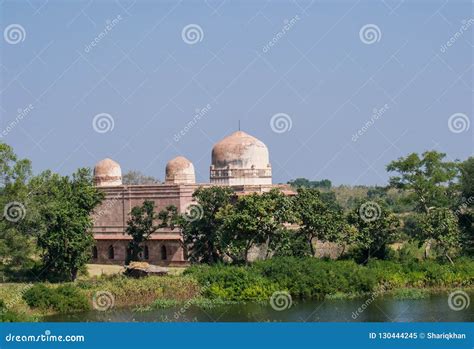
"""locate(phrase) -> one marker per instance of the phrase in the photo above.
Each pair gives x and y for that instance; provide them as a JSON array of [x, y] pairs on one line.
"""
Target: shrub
[[232, 283], [63, 299]]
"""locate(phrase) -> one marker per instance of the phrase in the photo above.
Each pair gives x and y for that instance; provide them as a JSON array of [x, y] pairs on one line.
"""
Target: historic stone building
[[239, 160]]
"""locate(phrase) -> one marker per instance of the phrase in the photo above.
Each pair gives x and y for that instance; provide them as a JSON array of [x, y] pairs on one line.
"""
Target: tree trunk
[[313, 252], [73, 274], [449, 258], [427, 249]]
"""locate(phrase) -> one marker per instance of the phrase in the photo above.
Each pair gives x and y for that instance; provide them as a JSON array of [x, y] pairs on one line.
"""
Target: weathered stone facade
[[239, 161], [110, 221]]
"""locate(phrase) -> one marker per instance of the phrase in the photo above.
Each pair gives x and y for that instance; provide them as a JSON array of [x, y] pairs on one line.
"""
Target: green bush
[[315, 278], [7, 315], [232, 283], [63, 299]]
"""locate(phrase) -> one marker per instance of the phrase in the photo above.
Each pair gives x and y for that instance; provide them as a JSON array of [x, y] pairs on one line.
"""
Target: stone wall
[[110, 220]]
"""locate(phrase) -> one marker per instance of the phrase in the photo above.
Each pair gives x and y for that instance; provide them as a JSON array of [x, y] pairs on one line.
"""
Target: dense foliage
[[65, 236], [314, 278], [140, 226], [62, 299], [17, 224]]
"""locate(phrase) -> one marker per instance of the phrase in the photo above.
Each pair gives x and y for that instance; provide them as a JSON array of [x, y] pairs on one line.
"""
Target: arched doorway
[[164, 254], [111, 252]]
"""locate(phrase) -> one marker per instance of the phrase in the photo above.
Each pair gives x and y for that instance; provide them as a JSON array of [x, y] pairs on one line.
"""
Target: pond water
[[435, 308]]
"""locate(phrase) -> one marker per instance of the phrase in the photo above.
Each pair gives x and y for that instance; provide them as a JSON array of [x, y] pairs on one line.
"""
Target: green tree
[[317, 219], [201, 226], [65, 205], [430, 183], [467, 180], [441, 226], [376, 227], [306, 183], [465, 207], [17, 225], [429, 180], [140, 226], [136, 178], [253, 220]]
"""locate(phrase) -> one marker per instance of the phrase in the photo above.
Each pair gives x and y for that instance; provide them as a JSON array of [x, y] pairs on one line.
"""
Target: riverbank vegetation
[[416, 233], [208, 286]]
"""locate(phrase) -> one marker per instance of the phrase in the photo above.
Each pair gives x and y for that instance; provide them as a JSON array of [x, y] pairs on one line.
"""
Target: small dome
[[240, 150], [107, 172], [180, 171]]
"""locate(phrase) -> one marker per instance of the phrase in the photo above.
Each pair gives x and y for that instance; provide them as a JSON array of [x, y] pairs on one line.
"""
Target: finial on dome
[[240, 159]]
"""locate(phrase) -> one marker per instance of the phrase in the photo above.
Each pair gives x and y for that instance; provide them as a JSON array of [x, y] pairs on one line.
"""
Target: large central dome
[[240, 159]]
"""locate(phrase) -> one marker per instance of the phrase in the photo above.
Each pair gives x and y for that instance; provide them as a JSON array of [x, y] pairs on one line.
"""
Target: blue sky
[[324, 74]]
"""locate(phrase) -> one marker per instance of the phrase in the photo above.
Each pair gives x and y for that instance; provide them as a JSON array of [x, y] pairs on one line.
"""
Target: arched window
[[146, 253], [111, 252], [94, 252], [163, 253]]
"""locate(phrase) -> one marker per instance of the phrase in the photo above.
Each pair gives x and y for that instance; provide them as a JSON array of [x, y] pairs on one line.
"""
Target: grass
[[207, 287], [97, 270], [410, 293]]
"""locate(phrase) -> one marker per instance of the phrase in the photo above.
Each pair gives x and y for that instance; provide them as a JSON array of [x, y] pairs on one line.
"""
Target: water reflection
[[382, 309]]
